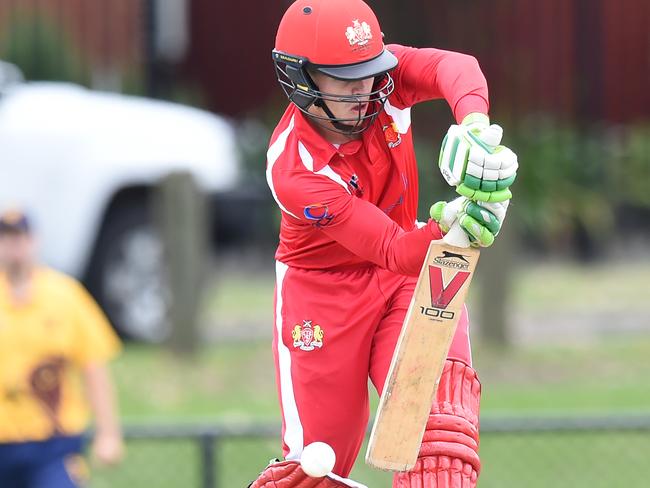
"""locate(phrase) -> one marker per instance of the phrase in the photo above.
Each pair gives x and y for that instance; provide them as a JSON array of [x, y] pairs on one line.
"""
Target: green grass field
[[232, 383], [236, 383]]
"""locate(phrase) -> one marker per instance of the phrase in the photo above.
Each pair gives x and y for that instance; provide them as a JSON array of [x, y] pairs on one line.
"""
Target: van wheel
[[127, 274]]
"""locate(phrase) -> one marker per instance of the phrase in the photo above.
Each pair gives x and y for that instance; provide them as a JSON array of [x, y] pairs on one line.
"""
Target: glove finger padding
[[497, 168], [484, 196], [289, 474], [481, 220], [485, 216], [473, 160], [478, 234], [446, 213], [449, 454]]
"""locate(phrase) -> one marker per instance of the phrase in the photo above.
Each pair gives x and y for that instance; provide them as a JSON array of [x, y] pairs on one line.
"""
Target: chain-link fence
[[532, 452]]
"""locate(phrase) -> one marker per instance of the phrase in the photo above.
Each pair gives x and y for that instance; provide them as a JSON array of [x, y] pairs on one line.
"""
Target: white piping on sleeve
[[305, 157], [329, 172], [308, 162], [272, 156]]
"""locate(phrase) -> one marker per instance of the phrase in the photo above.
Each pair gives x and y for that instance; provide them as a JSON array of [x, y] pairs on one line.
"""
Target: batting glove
[[472, 160], [481, 221]]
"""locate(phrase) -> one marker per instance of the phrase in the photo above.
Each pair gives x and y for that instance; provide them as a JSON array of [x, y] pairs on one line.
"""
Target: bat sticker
[[442, 295]]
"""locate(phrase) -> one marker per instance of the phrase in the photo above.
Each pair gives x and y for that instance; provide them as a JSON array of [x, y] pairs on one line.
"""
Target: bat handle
[[456, 236]]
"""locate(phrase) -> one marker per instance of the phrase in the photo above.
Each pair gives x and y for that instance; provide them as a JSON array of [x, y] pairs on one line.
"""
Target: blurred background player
[[341, 167], [54, 346]]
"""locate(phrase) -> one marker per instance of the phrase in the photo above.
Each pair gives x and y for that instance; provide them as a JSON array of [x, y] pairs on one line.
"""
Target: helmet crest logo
[[358, 34]]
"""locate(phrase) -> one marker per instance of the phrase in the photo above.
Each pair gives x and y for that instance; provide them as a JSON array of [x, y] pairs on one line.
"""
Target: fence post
[[208, 460], [182, 219], [496, 294]]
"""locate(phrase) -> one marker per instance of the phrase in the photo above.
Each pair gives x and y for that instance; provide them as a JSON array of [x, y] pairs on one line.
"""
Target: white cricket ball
[[317, 459]]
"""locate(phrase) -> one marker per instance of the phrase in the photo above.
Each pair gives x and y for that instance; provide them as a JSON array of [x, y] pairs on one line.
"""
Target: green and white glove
[[481, 221], [472, 160]]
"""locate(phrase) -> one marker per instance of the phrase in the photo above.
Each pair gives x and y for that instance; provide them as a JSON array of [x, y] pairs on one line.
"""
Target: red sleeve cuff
[[435, 230], [468, 104], [408, 251]]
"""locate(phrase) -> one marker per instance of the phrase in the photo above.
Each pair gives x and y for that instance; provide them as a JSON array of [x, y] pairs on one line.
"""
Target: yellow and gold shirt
[[44, 345]]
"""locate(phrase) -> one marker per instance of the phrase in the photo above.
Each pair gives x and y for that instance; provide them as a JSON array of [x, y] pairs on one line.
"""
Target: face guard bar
[[302, 91]]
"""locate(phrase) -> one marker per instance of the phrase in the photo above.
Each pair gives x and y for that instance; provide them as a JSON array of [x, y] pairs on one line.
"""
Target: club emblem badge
[[307, 337], [358, 34], [392, 135]]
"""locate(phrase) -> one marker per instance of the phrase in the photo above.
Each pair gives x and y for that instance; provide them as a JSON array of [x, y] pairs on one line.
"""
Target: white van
[[83, 164]]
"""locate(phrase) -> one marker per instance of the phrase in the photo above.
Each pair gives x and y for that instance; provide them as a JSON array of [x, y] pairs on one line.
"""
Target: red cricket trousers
[[333, 331]]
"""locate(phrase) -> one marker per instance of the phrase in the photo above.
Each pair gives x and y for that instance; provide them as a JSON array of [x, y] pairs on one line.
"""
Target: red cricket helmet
[[341, 39]]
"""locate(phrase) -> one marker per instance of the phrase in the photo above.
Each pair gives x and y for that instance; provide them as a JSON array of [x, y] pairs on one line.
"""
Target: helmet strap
[[338, 125]]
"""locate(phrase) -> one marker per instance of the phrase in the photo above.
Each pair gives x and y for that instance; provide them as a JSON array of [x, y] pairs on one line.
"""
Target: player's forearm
[[409, 249], [101, 396], [463, 84], [427, 74], [372, 235]]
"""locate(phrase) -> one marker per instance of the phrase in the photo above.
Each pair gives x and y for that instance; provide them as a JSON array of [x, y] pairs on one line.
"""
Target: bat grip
[[456, 236]]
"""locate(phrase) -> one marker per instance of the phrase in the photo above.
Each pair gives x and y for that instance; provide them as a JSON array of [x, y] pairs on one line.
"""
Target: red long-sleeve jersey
[[356, 205]]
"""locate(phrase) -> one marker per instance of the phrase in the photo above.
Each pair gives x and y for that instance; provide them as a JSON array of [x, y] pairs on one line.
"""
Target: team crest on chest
[[393, 137], [307, 337]]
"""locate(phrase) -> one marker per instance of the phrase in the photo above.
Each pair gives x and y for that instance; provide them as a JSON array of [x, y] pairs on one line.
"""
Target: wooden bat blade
[[420, 355]]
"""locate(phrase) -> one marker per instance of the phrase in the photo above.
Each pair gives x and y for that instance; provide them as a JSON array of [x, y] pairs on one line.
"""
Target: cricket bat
[[421, 351]]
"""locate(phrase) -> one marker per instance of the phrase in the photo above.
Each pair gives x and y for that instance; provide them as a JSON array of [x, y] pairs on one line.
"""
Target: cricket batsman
[[342, 169]]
